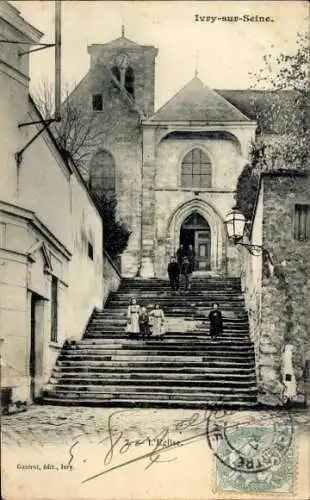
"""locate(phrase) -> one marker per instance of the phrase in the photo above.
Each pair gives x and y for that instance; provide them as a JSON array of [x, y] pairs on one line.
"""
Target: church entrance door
[[195, 231]]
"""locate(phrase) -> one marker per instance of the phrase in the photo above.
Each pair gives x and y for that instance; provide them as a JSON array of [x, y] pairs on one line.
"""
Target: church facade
[[173, 171]]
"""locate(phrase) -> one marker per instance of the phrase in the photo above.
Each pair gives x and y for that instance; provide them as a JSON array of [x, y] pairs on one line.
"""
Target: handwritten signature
[[119, 445]]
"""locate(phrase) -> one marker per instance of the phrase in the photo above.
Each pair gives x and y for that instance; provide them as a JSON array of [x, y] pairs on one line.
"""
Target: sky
[[223, 51]]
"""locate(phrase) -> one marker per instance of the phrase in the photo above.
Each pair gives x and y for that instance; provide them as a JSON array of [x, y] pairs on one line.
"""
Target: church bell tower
[[132, 65]]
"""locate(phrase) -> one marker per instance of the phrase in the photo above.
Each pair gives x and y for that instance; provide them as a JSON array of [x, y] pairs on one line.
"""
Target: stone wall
[[282, 317], [170, 199], [251, 279], [118, 133], [224, 153], [286, 296], [118, 130], [111, 277]]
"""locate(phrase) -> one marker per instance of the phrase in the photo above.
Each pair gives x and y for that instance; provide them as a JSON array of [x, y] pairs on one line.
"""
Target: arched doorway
[[195, 231], [216, 237]]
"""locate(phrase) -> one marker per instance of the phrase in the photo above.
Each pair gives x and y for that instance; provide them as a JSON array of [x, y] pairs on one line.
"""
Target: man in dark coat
[[186, 272], [191, 257], [180, 255], [174, 274], [216, 321]]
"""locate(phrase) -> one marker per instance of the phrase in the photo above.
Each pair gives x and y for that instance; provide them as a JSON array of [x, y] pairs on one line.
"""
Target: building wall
[[119, 133], [278, 296], [47, 221], [85, 273], [168, 198], [286, 302], [226, 161], [251, 280], [141, 60], [14, 85]]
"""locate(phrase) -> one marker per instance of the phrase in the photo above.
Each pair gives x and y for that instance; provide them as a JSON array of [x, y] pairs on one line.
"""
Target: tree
[[115, 232], [286, 113], [76, 133], [283, 122], [78, 136]]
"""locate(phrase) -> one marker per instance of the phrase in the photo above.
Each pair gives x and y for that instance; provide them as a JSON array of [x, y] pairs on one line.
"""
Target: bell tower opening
[[195, 231]]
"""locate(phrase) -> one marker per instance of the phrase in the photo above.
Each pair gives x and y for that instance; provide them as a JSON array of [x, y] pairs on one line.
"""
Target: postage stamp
[[252, 457]]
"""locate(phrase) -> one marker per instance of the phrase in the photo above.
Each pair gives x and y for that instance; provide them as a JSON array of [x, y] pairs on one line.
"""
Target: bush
[[115, 232]]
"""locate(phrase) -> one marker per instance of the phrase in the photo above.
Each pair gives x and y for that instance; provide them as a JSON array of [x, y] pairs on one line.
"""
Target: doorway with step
[[36, 344], [195, 231]]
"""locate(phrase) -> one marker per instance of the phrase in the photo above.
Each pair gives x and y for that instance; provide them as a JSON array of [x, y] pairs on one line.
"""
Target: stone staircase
[[187, 369]]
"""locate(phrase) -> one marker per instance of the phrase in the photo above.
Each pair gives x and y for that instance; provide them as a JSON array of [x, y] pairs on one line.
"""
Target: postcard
[[154, 250]]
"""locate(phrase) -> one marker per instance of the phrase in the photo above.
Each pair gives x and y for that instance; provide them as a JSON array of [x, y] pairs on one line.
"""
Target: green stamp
[[251, 457]]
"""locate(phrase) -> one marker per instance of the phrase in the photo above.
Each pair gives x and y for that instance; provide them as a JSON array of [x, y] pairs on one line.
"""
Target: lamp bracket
[[256, 250]]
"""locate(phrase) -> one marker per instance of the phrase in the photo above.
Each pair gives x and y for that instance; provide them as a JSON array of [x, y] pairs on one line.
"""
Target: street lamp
[[235, 225]]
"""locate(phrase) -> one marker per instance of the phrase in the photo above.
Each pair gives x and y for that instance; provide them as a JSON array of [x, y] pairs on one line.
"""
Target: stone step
[[156, 374], [117, 393], [186, 342], [222, 287], [149, 402], [186, 310], [120, 333], [179, 299], [231, 307], [161, 350], [156, 391], [194, 290], [170, 336], [166, 369], [77, 379], [162, 355], [161, 282], [147, 344], [122, 318], [215, 364]]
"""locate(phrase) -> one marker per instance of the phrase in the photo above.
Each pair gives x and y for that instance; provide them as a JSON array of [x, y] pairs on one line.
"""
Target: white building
[[51, 256]]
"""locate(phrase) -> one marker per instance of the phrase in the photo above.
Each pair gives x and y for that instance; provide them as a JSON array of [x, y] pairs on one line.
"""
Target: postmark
[[255, 455]]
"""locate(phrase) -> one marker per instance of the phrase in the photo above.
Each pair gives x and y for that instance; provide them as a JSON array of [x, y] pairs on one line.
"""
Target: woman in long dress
[[133, 312], [157, 318]]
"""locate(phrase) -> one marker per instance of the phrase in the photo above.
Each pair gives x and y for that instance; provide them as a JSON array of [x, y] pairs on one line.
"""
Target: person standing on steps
[[191, 258], [144, 323], [186, 272], [173, 270], [180, 255], [216, 321], [158, 323], [133, 319]]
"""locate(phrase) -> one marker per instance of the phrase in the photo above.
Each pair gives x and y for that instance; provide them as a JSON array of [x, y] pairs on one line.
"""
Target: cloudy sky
[[227, 51]]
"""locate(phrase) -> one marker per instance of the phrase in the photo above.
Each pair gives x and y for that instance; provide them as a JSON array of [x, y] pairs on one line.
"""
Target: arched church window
[[196, 170], [102, 174]]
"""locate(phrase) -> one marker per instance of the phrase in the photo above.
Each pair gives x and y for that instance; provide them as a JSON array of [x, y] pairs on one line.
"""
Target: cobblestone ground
[[49, 424]]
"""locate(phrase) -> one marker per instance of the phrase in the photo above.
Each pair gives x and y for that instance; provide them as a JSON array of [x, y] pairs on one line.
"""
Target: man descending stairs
[[187, 369]]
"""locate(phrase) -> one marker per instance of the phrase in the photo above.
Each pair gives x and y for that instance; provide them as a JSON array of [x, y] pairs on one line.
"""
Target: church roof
[[256, 105], [121, 42], [197, 102]]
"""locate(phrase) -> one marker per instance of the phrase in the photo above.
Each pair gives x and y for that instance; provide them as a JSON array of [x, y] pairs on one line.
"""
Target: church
[[174, 170]]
